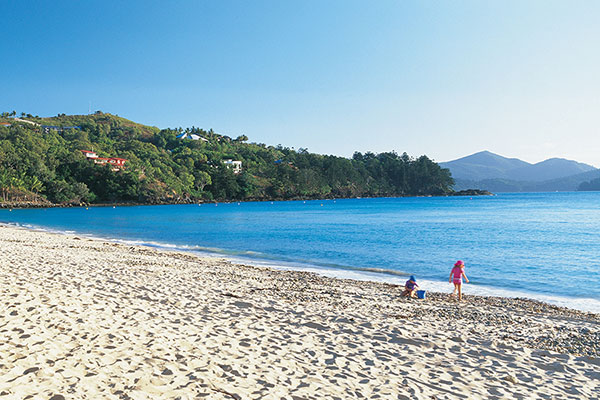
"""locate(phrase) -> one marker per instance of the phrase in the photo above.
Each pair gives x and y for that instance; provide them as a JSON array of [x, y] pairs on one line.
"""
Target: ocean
[[543, 246]]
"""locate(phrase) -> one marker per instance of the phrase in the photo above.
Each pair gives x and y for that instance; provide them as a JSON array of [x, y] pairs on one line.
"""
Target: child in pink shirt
[[456, 275]]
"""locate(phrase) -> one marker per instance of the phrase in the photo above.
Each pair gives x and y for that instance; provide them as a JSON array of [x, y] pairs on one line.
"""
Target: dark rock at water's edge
[[472, 192], [42, 203], [27, 204]]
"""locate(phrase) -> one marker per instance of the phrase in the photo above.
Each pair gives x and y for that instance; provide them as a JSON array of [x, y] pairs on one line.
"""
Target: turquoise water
[[539, 245]]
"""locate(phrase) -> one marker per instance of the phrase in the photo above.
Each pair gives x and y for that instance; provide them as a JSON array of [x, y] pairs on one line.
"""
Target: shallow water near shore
[[538, 245]]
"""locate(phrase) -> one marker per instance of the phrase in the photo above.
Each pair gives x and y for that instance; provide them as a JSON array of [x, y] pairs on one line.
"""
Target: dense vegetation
[[39, 164]]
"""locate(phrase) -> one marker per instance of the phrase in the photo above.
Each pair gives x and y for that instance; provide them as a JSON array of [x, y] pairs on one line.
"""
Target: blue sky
[[445, 79]]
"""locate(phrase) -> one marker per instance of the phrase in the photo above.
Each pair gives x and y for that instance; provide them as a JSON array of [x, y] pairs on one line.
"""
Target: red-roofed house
[[115, 162]]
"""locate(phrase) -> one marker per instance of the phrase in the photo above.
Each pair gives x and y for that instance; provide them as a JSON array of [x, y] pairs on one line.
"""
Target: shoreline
[[367, 275], [359, 274], [32, 204], [89, 318]]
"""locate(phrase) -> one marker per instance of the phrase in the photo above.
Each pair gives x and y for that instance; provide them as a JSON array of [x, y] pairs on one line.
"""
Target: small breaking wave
[[331, 270]]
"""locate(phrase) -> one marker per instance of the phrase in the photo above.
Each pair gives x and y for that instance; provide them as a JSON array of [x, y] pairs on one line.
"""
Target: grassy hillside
[[41, 160], [98, 118]]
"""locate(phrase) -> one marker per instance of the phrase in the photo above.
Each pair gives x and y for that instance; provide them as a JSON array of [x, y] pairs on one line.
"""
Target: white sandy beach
[[89, 319]]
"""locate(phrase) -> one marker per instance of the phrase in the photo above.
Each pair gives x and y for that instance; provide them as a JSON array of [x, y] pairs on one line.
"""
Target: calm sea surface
[[539, 245]]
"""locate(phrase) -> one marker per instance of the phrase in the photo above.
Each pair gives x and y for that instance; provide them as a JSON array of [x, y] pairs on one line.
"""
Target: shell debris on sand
[[89, 319]]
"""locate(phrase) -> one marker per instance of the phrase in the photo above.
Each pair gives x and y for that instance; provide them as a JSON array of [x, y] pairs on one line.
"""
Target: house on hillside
[[5, 124], [235, 165], [48, 128], [187, 135], [116, 163], [25, 121], [89, 154]]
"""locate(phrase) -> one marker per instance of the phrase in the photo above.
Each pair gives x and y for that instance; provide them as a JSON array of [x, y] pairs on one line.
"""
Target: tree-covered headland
[[41, 161]]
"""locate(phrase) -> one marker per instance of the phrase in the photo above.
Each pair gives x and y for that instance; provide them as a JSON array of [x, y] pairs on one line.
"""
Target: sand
[[90, 319]]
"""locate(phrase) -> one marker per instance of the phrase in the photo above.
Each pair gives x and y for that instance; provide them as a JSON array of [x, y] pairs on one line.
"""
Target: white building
[[89, 154], [236, 165], [191, 136]]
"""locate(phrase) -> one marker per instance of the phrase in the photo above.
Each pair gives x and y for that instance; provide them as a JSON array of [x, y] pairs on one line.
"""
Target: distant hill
[[553, 168], [593, 185], [489, 171], [483, 165], [487, 165]]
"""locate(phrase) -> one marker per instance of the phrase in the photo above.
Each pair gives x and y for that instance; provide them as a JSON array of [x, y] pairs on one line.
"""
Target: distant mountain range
[[489, 171]]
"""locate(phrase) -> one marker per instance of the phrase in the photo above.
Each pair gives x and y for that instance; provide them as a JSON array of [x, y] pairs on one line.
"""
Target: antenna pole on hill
[[90, 108]]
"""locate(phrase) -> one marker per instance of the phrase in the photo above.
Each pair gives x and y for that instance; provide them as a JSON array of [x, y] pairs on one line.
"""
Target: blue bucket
[[420, 294]]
